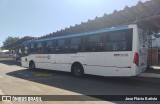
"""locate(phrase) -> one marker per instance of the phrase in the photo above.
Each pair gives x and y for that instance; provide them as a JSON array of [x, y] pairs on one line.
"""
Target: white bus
[[116, 51]]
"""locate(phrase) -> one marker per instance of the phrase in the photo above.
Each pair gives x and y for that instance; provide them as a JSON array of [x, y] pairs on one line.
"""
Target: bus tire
[[77, 70], [32, 65]]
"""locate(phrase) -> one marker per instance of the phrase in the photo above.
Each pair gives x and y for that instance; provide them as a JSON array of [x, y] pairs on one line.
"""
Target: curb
[[156, 67], [150, 75]]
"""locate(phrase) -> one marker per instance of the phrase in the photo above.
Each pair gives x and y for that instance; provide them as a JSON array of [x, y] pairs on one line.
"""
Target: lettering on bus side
[[40, 57], [121, 55]]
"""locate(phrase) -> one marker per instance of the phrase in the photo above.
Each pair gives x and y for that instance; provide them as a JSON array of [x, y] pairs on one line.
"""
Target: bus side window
[[45, 47], [129, 36], [48, 47], [66, 50], [26, 49], [62, 46], [117, 41], [85, 47], [83, 44], [55, 46], [32, 48], [94, 43], [22, 49], [39, 47], [75, 44]]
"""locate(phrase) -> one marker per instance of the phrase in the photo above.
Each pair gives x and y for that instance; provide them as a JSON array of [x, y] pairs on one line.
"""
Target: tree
[[9, 40]]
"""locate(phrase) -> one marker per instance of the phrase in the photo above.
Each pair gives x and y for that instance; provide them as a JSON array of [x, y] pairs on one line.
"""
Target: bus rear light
[[136, 58]]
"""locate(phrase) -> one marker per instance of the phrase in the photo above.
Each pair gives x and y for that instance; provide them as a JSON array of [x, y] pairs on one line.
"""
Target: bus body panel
[[48, 61], [109, 63], [112, 67], [24, 63], [107, 71]]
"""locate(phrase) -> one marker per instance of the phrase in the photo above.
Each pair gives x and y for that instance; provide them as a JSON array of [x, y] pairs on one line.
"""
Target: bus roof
[[80, 34]]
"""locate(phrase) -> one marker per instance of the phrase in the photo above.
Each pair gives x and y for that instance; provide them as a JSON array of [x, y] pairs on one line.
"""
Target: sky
[[20, 18]]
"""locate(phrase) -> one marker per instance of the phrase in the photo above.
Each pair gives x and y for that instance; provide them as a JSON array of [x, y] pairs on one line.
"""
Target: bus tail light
[[136, 58]]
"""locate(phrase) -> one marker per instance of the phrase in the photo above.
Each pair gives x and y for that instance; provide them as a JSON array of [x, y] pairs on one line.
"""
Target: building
[[155, 51]]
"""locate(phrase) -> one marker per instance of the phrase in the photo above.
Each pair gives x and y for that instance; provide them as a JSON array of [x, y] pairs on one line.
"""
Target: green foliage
[[9, 40]]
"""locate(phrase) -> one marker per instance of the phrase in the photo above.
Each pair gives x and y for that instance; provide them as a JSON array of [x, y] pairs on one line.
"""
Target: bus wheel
[[32, 65], [77, 70]]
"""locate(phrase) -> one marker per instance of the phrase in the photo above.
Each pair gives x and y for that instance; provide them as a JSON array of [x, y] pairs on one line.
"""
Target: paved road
[[15, 80]]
